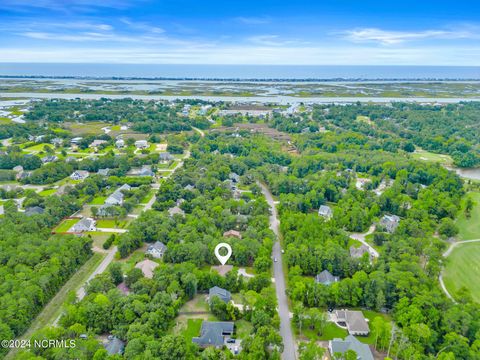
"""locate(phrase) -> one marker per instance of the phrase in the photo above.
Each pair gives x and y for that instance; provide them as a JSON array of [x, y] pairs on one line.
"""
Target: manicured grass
[[65, 225], [330, 332], [55, 307], [147, 198], [463, 269], [108, 223], [192, 330], [370, 315], [99, 200], [198, 303], [39, 147], [469, 229], [47, 192], [432, 157], [5, 120]]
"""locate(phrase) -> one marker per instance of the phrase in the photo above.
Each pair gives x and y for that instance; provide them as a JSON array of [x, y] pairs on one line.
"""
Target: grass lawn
[[198, 303], [108, 223], [38, 147], [5, 120], [147, 198], [65, 225], [470, 228], [432, 157], [98, 200], [370, 315], [47, 192], [330, 332], [243, 329], [463, 269], [54, 308], [192, 329]]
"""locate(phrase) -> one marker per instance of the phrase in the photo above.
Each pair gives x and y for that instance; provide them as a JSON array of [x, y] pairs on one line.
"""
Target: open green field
[[47, 192], [5, 120], [39, 147], [65, 225], [107, 223], [469, 228], [98, 200], [463, 269], [420, 154]]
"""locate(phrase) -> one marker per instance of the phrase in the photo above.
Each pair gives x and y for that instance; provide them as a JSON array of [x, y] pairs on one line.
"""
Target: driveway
[[289, 352]]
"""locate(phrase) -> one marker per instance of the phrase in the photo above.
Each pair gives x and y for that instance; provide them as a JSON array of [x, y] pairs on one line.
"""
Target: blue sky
[[330, 32]]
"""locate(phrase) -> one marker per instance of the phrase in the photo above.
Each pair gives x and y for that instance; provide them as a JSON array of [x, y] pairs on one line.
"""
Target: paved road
[[361, 237], [289, 352], [447, 253]]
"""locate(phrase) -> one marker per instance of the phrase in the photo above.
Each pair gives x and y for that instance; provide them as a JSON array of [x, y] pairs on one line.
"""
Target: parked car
[[231, 341]]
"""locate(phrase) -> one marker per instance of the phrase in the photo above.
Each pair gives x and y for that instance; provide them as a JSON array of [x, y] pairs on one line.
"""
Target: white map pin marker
[[223, 259]]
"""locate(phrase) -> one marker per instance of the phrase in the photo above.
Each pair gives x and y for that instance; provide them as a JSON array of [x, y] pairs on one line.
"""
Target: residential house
[[390, 222], [326, 278], [69, 159], [234, 177], [360, 183], [79, 175], [103, 172], [120, 143], [165, 156], [96, 143], [358, 252], [189, 187], [76, 140], [232, 233], [18, 168], [114, 346], [145, 171], [34, 210], [141, 144], [222, 294], [116, 198], [214, 333], [325, 211], [353, 320], [23, 175], [176, 211], [85, 224], [340, 346], [49, 158], [156, 249], [147, 266], [57, 142]]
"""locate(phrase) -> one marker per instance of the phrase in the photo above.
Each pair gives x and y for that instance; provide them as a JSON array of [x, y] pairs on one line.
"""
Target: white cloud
[[387, 37], [269, 40], [252, 20]]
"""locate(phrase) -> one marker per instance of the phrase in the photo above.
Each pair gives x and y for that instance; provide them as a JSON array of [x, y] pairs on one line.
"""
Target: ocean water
[[242, 71]]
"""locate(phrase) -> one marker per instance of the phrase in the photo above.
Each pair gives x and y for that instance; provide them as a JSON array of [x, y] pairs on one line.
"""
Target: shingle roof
[[212, 332], [326, 278], [223, 294], [115, 346], [34, 210], [351, 343]]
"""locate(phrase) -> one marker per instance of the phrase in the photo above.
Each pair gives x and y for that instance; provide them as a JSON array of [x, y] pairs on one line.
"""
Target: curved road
[[445, 254], [289, 352]]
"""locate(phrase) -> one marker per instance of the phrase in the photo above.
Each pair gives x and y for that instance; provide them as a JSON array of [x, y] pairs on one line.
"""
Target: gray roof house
[[145, 171], [166, 156], [234, 177], [358, 252], [85, 224], [222, 294], [103, 172], [353, 320], [34, 210], [176, 211], [390, 222], [49, 158], [214, 333], [115, 346], [326, 278], [79, 175], [141, 144], [116, 198], [350, 343], [325, 211], [156, 249]]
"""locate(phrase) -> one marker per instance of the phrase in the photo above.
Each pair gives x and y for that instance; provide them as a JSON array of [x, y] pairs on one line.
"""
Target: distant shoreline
[[237, 79]]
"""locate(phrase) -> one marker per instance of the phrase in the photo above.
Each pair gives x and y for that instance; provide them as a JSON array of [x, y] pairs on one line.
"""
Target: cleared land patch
[[469, 228], [463, 270]]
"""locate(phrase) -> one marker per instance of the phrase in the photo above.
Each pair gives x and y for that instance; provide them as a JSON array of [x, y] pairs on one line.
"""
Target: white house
[[156, 250], [141, 144], [120, 143], [79, 175], [85, 224]]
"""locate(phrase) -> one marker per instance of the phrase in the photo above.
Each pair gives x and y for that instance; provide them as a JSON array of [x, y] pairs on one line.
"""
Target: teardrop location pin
[[223, 258]]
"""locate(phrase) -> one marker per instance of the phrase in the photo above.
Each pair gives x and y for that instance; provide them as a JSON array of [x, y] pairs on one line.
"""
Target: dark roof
[[351, 343], [212, 332], [326, 278], [34, 210], [223, 294], [158, 245]]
